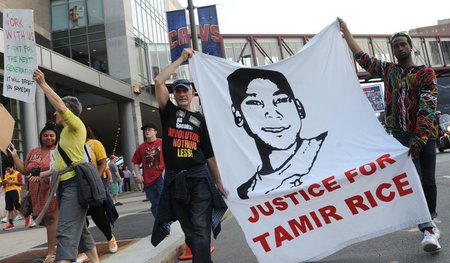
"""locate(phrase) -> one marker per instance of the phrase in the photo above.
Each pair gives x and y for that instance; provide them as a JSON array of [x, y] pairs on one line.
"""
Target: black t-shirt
[[185, 138]]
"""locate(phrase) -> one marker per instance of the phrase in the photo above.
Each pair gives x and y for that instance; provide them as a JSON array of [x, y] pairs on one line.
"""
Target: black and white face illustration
[[270, 114]]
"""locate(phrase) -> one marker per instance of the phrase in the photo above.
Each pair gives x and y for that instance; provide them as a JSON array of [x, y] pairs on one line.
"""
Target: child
[[12, 184]]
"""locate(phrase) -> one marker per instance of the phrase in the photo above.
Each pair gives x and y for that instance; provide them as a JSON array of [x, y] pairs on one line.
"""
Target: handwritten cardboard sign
[[7, 129], [20, 54]]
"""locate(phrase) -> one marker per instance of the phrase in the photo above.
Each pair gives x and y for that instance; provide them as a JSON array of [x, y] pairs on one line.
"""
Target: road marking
[[446, 176]]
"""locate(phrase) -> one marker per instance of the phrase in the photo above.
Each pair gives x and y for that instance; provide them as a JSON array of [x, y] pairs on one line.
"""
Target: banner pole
[[190, 8]]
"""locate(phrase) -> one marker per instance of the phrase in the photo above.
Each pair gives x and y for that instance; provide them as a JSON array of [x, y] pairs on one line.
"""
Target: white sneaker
[[436, 230], [112, 245], [81, 258], [430, 243], [4, 220]]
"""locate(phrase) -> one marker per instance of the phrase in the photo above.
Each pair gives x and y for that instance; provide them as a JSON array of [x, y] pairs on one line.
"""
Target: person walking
[[410, 105], [13, 184], [126, 179], [149, 155], [38, 160], [106, 214], [189, 193], [114, 186], [120, 168], [72, 232]]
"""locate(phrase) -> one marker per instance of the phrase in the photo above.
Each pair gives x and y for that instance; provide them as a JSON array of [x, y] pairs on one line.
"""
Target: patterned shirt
[[410, 95]]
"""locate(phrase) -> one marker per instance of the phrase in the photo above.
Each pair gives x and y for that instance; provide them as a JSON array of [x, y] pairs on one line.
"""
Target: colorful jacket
[[410, 95]]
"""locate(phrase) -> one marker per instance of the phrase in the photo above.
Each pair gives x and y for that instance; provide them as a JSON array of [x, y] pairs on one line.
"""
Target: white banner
[[308, 167], [20, 54]]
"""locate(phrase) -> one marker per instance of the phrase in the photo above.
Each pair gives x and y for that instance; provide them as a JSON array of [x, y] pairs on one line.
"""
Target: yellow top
[[15, 177], [104, 173], [97, 151], [71, 140]]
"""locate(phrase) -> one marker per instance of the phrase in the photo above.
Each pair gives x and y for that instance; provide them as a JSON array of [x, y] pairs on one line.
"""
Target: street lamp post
[[193, 27]]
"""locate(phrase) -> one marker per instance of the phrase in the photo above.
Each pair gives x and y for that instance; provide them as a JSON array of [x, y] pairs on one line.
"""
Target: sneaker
[[430, 243], [19, 217], [82, 258], [27, 221], [112, 244], [9, 227], [4, 220], [436, 230], [118, 203]]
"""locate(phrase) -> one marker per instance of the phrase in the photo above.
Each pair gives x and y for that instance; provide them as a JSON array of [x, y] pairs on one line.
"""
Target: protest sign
[[374, 93], [7, 129], [20, 55], [308, 167]]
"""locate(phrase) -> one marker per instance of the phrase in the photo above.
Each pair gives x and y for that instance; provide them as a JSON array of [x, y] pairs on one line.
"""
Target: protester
[[13, 185], [104, 215], [73, 234], [191, 198], [126, 179], [120, 168], [38, 160], [410, 99], [149, 155], [114, 186]]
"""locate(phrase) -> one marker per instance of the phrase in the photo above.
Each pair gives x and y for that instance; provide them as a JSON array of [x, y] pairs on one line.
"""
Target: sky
[[309, 17]]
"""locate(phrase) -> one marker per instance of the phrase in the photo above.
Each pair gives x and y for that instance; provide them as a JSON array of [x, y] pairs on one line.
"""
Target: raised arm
[[54, 98], [162, 94], [19, 164], [354, 47]]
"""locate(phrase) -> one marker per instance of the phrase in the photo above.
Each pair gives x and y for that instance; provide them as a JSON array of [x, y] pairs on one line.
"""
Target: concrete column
[[128, 132], [40, 109], [29, 126]]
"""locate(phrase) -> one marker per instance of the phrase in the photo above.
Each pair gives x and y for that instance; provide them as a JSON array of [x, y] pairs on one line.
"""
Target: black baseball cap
[[149, 125]]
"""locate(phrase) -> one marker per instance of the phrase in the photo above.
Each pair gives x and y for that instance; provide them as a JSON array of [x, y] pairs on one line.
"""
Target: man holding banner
[[411, 97], [189, 194]]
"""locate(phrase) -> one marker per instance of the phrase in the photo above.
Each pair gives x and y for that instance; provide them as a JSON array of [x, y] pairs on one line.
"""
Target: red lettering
[[281, 235], [280, 205], [183, 36], [372, 201], [305, 196], [313, 193], [356, 202], [379, 193], [329, 211], [216, 37], [269, 207], [296, 225], [255, 217], [350, 175], [383, 159], [316, 219], [292, 197], [401, 185], [363, 170], [330, 185], [172, 35], [204, 32], [262, 239]]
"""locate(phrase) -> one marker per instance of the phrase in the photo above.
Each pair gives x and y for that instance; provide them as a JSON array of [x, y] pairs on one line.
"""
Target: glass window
[[78, 39], [65, 51], [434, 52], [267, 51], [382, 49], [60, 16], [99, 56], [419, 54], [97, 36], [60, 42], [60, 34], [80, 53], [445, 41], [95, 11], [133, 13], [238, 50], [77, 14], [291, 46]]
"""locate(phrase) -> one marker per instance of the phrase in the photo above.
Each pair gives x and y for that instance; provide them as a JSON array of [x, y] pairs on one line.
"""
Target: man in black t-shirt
[[189, 194]]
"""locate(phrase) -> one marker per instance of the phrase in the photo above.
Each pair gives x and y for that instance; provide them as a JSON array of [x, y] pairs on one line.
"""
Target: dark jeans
[[194, 216], [426, 168], [126, 185], [153, 193]]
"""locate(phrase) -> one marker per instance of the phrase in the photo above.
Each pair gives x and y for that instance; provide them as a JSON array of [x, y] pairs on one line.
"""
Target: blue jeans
[[153, 193], [426, 168], [194, 216]]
